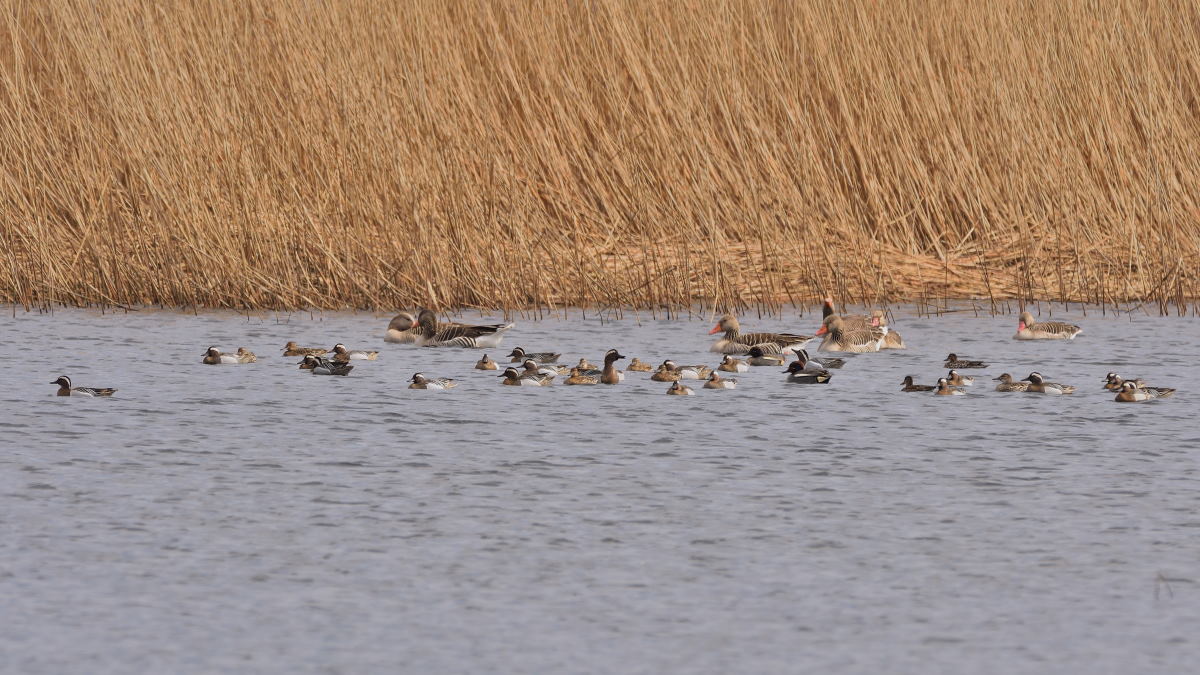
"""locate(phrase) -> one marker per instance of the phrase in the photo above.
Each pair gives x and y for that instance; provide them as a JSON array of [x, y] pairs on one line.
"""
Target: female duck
[[1039, 385], [419, 381], [732, 365], [1007, 384], [715, 381], [959, 380], [678, 389], [944, 389], [486, 364], [909, 385], [342, 355], [665, 374], [688, 372], [65, 389], [578, 377], [639, 366], [293, 349], [1028, 329], [952, 361]]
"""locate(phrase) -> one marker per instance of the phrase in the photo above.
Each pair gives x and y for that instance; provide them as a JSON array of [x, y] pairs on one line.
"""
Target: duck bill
[[716, 329]]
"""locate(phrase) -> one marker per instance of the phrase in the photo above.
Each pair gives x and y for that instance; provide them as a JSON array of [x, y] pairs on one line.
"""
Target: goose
[[762, 357], [342, 355], [292, 349], [512, 378], [944, 389], [322, 366], [715, 381], [953, 361], [419, 381], [958, 380], [1007, 384], [65, 389], [910, 386], [1027, 329], [814, 365], [735, 342], [639, 366], [1039, 385], [214, 357], [838, 338], [404, 329], [1130, 392], [678, 389], [688, 372], [433, 334], [732, 365], [518, 355], [486, 364], [797, 374], [611, 375]]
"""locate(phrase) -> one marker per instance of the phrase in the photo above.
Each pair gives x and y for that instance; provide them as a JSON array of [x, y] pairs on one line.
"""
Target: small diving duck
[[293, 349], [486, 364], [519, 355], [959, 380], [715, 381], [1028, 329], [1130, 393], [514, 379], [639, 366], [1039, 385], [765, 355], [678, 389], [952, 361], [342, 355], [1114, 382], [65, 389], [944, 389], [1008, 384], [798, 373], [732, 365], [909, 385], [323, 366], [419, 381]]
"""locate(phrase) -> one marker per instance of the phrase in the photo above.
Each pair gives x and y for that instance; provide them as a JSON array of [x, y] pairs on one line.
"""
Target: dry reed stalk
[[606, 154]]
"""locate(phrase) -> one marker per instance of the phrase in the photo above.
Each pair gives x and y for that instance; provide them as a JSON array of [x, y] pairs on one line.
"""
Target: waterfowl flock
[[852, 334]]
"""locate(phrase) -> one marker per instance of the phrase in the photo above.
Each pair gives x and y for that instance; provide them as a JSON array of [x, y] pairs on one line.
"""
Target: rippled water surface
[[258, 518]]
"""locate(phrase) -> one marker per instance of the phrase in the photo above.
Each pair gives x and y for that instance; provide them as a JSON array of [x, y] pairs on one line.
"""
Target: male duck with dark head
[[65, 389]]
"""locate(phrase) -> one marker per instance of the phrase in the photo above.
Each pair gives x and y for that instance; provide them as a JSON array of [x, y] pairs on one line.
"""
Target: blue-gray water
[[257, 518]]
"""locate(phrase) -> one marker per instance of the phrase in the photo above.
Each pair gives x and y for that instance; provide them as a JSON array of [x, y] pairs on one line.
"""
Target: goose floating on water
[[1028, 329]]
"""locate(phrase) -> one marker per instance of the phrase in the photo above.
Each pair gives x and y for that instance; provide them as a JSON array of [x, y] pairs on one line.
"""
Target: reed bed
[[598, 154]]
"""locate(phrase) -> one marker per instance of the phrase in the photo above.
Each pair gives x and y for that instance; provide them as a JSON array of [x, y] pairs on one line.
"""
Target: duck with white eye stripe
[[518, 355], [687, 372], [1039, 385], [732, 365], [419, 381], [679, 389], [65, 389], [533, 367], [323, 366], [214, 357], [342, 355], [1130, 393], [944, 389], [715, 381], [959, 380], [514, 379]]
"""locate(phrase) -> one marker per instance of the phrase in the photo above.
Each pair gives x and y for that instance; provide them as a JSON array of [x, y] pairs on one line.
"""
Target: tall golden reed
[[601, 153]]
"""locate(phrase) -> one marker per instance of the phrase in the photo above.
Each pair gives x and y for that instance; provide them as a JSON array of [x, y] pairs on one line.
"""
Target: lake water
[[256, 518]]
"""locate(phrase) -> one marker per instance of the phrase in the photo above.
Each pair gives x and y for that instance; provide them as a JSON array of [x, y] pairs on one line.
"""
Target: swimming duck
[[584, 365], [678, 389], [1114, 382], [665, 374], [214, 357], [1007, 383], [518, 355], [515, 379], [342, 355], [1027, 329], [579, 377], [1130, 393], [944, 389], [245, 355], [732, 365], [486, 364], [688, 372], [814, 365], [434, 334], [838, 338], [952, 361], [1039, 385], [611, 375], [534, 368], [292, 349], [910, 386], [419, 381], [735, 342], [65, 389], [959, 380], [762, 357], [798, 374], [323, 366], [639, 366], [715, 381]]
